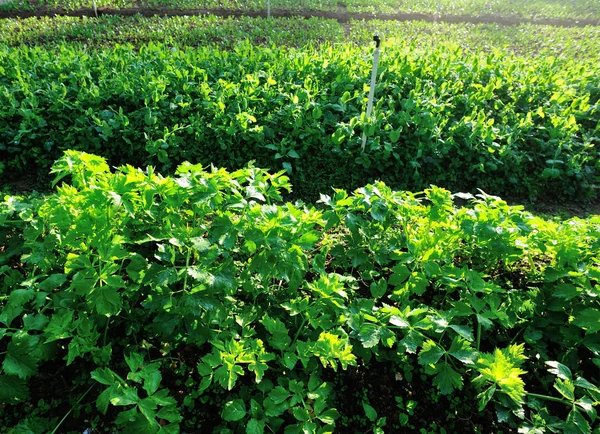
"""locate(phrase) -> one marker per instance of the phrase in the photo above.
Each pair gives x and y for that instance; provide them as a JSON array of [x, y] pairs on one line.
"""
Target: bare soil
[[341, 15]]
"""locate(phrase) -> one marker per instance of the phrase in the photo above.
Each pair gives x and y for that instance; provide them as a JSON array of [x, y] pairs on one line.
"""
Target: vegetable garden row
[[572, 9], [515, 126], [217, 253], [527, 40], [202, 302]]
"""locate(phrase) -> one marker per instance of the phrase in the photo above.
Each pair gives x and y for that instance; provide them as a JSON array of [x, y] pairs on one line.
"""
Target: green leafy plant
[[205, 300]]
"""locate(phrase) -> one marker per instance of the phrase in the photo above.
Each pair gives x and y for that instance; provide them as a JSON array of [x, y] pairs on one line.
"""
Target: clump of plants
[[204, 301]]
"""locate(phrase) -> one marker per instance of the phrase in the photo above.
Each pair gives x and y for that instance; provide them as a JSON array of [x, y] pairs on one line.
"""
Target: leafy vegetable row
[[464, 121], [203, 299], [526, 40], [536, 9]]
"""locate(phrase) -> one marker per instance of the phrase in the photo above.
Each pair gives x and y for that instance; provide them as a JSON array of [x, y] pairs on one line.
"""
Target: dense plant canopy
[[249, 304]]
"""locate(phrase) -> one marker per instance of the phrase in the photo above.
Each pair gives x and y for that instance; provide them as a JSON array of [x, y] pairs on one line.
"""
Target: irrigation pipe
[[372, 87]]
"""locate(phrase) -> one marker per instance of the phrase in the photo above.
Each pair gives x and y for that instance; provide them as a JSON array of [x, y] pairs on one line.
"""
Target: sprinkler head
[[377, 40]]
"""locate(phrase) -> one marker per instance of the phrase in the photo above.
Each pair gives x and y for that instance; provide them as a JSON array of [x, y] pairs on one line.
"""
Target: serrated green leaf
[[19, 364], [577, 421], [106, 300], [103, 400], [162, 398], [12, 389], [412, 341], [502, 368], [289, 360], [52, 282], [399, 321], [486, 323], [15, 305], [34, 322], [103, 376], [462, 350], [378, 289], [447, 379], [301, 414], [566, 388], [234, 410], [583, 383], [588, 319], [308, 240], [259, 369], [587, 405], [566, 291], [60, 326], [279, 395], [255, 426], [486, 396], [329, 417], [127, 417], [560, 370], [399, 275], [134, 361], [369, 335], [205, 383], [170, 414], [128, 396], [272, 409], [147, 407], [430, 354], [20, 357], [280, 339], [464, 331], [152, 379]]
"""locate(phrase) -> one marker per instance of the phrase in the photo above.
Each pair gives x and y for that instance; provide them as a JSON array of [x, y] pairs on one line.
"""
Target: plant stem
[[69, 412], [547, 398], [187, 265], [478, 334], [105, 332], [299, 330]]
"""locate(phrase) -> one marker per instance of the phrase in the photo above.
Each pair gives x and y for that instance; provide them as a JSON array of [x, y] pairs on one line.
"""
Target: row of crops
[[461, 120], [216, 253], [202, 302], [527, 40], [534, 9]]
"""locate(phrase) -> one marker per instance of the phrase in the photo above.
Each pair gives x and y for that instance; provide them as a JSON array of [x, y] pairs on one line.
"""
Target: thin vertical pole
[[268, 8], [372, 87]]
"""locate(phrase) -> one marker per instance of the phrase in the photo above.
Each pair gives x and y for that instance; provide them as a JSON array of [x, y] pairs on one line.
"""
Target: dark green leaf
[[560, 370], [447, 379], [234, 410], [255, 426], [369, 412], [103, 376], [12, 389]]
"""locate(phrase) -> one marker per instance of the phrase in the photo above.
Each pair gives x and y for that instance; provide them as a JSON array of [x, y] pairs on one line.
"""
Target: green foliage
[[207, 290], [142, 417], [537, 9], [517, 126]]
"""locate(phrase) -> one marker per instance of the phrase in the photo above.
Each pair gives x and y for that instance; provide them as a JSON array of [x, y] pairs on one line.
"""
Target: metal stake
[[372, 87]]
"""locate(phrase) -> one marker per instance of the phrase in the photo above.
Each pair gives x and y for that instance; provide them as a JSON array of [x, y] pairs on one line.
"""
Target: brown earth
[[341, 15]]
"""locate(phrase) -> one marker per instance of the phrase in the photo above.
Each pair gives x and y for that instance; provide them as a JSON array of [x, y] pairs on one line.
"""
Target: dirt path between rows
[[342, 15]]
